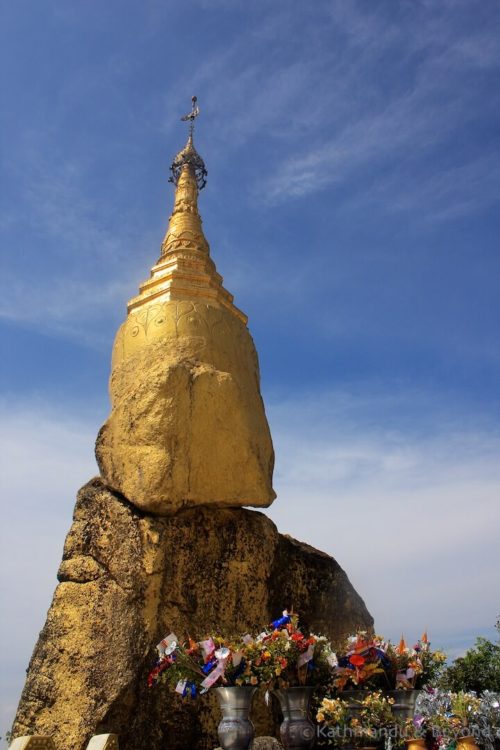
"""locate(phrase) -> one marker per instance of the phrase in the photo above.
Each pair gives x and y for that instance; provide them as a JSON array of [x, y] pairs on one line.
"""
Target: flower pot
[[467, 743], [235, 730], [404, 702], [416, 744], [297, 730]]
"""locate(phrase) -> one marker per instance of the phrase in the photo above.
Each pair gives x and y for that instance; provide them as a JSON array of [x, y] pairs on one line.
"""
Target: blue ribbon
[[282, 621], [206, 668], [190, 688]]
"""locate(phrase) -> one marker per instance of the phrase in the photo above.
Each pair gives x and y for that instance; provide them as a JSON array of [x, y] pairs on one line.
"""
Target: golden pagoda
[[187, 424]]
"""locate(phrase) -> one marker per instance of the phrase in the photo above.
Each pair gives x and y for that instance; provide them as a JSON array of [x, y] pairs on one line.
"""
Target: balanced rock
[[160, 542], [127, 578], [187, 425]]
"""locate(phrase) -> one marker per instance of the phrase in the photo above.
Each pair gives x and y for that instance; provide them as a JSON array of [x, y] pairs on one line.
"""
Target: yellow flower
[[253, 680], [320, 716]]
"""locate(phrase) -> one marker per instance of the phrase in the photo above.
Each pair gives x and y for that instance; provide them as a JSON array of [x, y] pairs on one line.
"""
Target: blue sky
[[353, 150]]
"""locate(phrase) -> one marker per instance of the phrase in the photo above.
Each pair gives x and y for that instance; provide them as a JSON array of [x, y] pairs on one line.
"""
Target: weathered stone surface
[[187, 425], [126, 579]]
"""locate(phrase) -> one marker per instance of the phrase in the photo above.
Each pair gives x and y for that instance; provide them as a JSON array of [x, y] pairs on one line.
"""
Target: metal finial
[[189, 155], [195, 111]]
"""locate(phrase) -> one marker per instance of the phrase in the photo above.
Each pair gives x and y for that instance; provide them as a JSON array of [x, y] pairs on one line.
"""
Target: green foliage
[[478, 670]]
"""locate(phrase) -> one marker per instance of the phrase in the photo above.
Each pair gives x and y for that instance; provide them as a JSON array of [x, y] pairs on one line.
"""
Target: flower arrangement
[[447, 716], [281, 655], [371, 661], [375, 714], [284, 656], [412, 668], [368, 723], [442, 718], [363, 661], [333, 712], [193, 667]]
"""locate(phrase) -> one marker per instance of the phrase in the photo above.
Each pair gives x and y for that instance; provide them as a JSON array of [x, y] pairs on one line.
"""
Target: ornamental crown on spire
[[189, 154]]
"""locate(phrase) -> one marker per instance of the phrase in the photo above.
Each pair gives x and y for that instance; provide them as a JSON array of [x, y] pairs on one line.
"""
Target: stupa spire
[[184, 270], [189, 176]]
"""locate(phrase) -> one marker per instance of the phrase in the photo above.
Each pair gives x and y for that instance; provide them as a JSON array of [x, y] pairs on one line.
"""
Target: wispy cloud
[[403, 128], [449, 194], [72, 308], [75, 267], [333, 119]]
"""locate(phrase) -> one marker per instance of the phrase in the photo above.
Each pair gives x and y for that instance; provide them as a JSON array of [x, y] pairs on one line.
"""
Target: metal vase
[[297, 730], [416, 744], [235, 730], [404, 702], [467, 743]]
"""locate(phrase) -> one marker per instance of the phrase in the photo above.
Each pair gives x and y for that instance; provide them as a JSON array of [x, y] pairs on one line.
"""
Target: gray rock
[[128, 578]]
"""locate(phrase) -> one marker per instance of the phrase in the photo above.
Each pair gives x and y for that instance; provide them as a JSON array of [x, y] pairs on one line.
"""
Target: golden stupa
[[187, 424]]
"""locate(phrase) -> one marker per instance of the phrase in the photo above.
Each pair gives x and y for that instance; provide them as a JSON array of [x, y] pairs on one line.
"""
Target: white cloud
[[410, 511]]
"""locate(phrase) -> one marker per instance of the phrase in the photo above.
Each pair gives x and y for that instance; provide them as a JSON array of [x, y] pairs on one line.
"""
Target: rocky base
[[127, 578]]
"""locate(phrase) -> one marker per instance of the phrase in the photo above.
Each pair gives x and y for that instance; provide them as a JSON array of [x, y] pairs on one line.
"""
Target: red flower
[[357, 660]]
